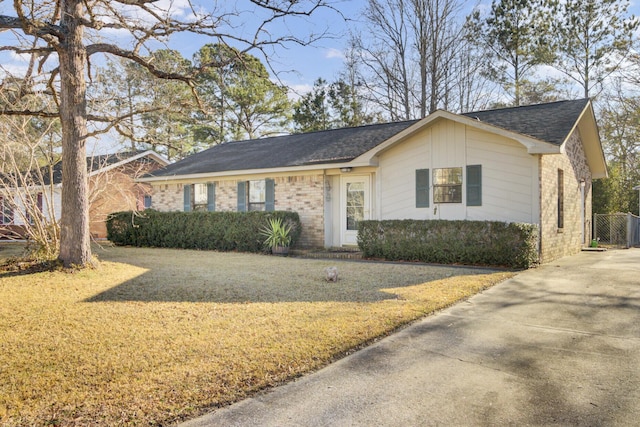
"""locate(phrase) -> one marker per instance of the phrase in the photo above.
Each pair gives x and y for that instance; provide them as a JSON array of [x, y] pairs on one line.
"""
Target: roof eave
[[590, 135], [222, 174], [160, 159]]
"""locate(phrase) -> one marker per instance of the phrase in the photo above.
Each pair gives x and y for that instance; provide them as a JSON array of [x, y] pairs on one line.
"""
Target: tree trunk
[[75, 248]]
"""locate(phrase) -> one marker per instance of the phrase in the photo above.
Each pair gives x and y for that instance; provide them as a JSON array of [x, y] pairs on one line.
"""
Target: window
[[447, 185], [422, 188], [6, 211], [560, 199], [474, 185], [199, 199], [147, 201], [258, 195]]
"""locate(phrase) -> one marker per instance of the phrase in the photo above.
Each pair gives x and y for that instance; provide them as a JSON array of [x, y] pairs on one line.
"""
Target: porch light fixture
[[345, 170]]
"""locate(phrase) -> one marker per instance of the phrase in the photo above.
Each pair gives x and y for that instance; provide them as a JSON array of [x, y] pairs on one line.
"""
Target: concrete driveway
[[557, 345]]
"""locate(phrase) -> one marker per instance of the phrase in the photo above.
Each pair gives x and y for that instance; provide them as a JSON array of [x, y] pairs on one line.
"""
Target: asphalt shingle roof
[[94, 163], [329, 146], [550, 122]]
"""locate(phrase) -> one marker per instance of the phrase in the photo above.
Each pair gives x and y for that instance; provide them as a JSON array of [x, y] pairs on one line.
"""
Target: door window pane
[[355, 204]]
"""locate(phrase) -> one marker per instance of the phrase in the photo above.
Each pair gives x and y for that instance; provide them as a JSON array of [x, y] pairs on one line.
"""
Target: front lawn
[[154, 335]]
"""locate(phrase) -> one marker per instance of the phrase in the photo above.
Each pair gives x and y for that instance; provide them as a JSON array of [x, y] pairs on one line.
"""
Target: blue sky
[[299, 66]]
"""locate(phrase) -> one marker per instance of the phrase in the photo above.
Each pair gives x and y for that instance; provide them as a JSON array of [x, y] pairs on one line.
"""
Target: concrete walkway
[[557, 345]]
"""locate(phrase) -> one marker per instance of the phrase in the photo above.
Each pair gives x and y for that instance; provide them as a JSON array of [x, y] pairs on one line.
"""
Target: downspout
[[540, 223]]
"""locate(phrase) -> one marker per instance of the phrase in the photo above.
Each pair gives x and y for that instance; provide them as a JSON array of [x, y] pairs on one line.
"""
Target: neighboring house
[[112, 188], [532, 164]]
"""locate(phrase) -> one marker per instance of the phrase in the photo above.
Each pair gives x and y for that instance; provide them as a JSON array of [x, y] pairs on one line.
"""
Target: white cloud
[[175, 8], [297, 91], [20, 57], [14, 70], [332, 53]]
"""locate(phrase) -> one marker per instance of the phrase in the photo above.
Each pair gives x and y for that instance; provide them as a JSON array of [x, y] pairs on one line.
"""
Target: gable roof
[[550, 122], [542, 128], [104, 162], [95, 164]]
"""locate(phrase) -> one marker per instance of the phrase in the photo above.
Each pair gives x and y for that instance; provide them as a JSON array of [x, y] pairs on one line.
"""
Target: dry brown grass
[[154, 336]]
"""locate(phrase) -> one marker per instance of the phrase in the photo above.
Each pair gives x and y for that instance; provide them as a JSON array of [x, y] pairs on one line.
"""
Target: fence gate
[[620, 230]]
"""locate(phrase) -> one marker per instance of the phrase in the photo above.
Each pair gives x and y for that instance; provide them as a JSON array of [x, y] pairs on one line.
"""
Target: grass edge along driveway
[[154, 336]]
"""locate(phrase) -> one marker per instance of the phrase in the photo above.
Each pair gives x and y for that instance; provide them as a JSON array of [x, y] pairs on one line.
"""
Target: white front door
[[354, 206]]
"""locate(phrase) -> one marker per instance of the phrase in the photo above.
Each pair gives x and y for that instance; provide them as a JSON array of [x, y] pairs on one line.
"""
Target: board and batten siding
[[397, 174], [509, 175]]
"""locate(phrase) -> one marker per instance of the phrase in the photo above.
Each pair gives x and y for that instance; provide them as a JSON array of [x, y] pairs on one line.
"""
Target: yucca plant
[[277, 235]]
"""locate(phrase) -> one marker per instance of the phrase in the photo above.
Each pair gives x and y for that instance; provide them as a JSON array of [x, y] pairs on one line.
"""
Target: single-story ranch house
[[532, 164]]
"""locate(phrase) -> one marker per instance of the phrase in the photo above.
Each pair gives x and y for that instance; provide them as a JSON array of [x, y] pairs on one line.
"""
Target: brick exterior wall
[[556, 243], [115, 191], [227, 195], [167, 197], [303, 194]]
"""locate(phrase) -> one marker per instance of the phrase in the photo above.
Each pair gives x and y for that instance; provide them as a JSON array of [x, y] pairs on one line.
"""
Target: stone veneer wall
[[303, 194], [557, 243]]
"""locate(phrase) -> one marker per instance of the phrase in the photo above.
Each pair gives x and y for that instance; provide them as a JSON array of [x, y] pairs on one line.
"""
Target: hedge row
[[451, 242], [222, 231]]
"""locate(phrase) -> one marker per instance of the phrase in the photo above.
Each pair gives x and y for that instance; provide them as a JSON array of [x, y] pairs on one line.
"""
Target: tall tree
[[349, 95], [238, 96], [593, 38], [165, 106], [414, 56], [67, 34], [620, 128], [516, 35], [388, 47], [312, 112], [437, 36], [214, 62], [331, 106], [469, 88]]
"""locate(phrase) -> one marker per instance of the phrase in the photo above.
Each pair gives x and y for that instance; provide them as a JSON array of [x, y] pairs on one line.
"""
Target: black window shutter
[[422, 188], [242, 196], [270, 195], [474, 185], [187, 197], [211, 196]]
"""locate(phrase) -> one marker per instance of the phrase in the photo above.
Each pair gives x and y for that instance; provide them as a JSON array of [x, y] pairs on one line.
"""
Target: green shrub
[[222, 231], [451, 242]]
